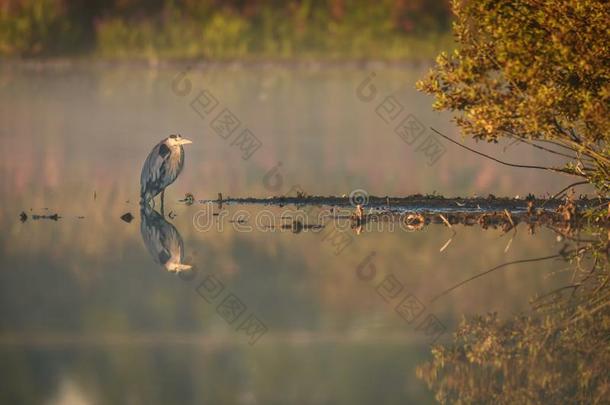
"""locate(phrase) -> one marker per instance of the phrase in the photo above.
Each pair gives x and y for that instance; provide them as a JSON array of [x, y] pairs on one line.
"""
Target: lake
[[267, 314]]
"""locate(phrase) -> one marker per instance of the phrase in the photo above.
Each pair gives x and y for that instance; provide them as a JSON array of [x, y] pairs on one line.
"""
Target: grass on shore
[[41, 28]]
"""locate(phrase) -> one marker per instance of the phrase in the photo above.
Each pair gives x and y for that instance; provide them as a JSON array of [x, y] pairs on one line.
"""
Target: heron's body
[[161, 168]]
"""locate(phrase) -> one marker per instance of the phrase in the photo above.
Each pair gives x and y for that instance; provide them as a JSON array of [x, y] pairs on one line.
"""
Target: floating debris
[[530, 208], [297, 226], [23, 216], [53, 217], [408, 203], [415, 221], [358, 214], [127, 217], [189, 199], [568, 210]]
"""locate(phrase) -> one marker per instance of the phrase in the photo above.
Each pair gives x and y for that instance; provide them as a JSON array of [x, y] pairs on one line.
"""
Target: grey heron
[[162, 166], [162, 240]]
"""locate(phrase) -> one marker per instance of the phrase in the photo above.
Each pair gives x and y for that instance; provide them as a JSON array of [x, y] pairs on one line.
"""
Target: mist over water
[[89, 314]]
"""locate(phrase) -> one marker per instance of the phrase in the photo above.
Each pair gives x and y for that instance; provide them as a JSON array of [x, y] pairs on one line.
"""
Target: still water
[[89, 316]]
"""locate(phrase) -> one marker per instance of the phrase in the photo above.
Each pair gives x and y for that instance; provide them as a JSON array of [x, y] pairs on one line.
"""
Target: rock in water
[[127, 217]]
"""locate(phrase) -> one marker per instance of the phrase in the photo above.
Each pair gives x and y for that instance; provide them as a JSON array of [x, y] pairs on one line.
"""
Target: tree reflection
[[558, 352]]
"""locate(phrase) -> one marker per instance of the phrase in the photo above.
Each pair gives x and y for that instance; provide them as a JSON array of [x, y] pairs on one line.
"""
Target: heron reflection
[[162, 240]]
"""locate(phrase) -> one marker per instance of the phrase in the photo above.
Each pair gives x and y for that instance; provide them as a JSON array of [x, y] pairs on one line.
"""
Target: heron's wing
[[153, 172]]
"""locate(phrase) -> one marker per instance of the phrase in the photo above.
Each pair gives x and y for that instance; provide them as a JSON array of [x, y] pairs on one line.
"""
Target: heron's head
[[177, 140]]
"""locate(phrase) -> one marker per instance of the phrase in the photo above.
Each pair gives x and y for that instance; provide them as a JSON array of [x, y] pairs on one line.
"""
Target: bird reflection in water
[[162, 240]]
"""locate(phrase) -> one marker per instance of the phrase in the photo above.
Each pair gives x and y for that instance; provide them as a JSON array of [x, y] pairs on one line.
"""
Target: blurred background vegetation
[[229, 29]]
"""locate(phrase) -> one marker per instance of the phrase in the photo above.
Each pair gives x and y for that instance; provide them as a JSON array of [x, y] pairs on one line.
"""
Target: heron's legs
[[162, 203]]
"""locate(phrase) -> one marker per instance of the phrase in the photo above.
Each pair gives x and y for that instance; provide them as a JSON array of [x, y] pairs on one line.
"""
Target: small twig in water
[[452, 230]]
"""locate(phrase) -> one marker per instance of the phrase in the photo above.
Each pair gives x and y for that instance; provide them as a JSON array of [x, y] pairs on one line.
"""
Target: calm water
[[88, 316]]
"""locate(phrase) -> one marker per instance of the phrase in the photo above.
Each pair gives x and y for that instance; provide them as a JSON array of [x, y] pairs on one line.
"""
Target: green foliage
[[174, 35], [533, 71], [225, 30], [389, 29], [302, 31], [32, 26]]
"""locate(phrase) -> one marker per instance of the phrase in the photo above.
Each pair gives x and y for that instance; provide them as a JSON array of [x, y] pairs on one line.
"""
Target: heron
[[162, 240], [161, 168]]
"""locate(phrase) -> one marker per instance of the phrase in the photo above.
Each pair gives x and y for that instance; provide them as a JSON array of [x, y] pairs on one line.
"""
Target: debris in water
[[189, 199], [297, 226], [23, 216], [127, 217], [530, 208], [358, 214], [448, 223], [53, 217], [415, 221]]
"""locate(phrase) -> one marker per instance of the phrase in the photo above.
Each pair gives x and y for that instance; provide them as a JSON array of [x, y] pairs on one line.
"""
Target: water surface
[[89, 316]]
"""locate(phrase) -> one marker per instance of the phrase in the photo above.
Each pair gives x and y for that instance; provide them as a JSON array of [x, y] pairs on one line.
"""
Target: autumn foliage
[[533, 70]]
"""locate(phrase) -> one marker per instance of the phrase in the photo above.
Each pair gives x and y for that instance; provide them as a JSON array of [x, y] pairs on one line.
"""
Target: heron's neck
[[177, 155], [176, 149]]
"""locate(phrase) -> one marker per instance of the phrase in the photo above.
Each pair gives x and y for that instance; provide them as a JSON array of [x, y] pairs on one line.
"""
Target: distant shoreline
[[198, 64]]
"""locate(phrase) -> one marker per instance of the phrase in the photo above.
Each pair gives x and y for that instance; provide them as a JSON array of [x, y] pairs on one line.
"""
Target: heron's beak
[[184, 141]]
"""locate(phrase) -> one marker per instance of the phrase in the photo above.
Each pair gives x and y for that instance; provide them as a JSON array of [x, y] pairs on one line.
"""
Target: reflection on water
[[84, 317], [555, 353], [162, 240]]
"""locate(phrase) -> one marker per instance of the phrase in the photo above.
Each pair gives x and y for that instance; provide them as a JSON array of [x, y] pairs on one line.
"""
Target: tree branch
[[552, 169]]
